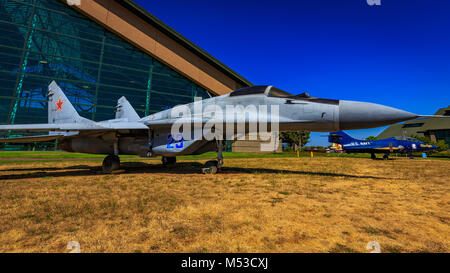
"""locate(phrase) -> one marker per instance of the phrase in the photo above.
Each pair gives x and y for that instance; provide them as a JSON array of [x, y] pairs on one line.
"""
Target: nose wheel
[[211, 167], [111, 163]]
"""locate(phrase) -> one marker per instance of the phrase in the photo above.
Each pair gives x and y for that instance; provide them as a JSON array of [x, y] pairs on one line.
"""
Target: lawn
[[279, 204]]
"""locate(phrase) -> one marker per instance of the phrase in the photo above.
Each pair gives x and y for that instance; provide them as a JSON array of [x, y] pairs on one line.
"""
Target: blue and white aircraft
[[405, 145]]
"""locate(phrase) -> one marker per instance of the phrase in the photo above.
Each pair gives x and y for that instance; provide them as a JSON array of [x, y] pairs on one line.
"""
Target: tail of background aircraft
[[60, 110], [125, 110], [340, 137]]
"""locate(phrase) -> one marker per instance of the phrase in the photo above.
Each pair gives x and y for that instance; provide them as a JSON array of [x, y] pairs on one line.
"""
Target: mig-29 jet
[[128, 134]]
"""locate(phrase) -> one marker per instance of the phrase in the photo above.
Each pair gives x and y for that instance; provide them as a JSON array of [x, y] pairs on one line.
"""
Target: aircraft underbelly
[[179, 147]]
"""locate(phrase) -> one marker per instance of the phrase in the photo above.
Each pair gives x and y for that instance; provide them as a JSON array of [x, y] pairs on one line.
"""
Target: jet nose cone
[[362, 115]]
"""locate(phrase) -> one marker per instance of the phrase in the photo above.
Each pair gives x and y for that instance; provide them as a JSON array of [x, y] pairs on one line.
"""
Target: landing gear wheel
[[166, 161], [111, 163], [373, 156], [385, 157], [211, 167]]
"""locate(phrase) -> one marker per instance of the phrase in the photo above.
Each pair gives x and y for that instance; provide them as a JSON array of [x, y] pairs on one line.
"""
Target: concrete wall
[[253, 146]]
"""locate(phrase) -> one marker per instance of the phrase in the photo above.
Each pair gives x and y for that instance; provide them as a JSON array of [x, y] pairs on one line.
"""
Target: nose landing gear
[[214, 166], [211, 167]]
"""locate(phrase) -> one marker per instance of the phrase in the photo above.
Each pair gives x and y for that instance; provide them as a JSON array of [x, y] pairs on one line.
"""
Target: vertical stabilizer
[[60, 110], [125, 110], [340, 138]]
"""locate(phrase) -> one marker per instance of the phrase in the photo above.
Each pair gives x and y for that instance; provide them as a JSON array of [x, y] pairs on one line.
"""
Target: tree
[[441, 145], [370, 138], [299, 138]]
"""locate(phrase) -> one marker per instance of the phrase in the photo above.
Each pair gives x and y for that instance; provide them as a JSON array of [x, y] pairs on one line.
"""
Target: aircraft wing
[[168, 122], [191, 120], [31, 139], [92, 126], [387, 148]]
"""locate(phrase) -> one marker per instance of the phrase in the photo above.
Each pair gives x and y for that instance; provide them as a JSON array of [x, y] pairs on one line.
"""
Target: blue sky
[[396, 54]]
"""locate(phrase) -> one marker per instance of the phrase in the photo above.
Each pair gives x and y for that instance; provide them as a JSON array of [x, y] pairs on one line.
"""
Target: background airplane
[[405, 145], [150, 136]]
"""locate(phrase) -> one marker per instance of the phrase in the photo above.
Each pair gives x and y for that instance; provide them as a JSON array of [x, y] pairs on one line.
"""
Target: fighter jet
[[404, 145], [128, 134]]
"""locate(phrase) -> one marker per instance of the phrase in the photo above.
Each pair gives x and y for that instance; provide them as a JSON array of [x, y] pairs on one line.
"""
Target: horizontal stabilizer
[[30, 139], [187, 120]]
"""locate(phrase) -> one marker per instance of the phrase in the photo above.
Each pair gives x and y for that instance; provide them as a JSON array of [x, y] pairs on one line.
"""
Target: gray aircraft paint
[[124, 110], [150, 135]]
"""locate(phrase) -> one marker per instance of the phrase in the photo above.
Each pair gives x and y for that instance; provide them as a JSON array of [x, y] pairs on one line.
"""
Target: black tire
[[211, 167], [373, 156], [385, 157], [166, 161], [111, 163]]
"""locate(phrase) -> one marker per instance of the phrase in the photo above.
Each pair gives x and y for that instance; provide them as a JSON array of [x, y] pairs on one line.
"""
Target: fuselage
[[398, 145], [295, 113], [387, 145], [250, 109]]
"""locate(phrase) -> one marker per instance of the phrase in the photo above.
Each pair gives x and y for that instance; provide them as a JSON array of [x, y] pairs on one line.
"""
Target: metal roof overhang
[[148, 17]]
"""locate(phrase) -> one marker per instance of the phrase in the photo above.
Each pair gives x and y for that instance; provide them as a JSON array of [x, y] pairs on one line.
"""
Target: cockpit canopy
[[271, 91], [407, 138], [261, 89]]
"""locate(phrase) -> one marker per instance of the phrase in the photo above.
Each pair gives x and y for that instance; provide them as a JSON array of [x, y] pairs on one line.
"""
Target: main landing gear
[[373, 156], [111, 163], [214, 166]]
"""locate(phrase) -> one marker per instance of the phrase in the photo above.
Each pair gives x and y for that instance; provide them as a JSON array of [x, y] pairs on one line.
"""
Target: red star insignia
[[59, 104]]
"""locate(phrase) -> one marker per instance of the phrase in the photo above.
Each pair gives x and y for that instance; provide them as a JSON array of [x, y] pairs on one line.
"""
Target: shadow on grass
[[141, 167]]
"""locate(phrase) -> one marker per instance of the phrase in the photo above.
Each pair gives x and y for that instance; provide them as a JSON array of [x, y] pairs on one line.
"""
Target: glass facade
[[412, 125], [45, 40], [442, 135]]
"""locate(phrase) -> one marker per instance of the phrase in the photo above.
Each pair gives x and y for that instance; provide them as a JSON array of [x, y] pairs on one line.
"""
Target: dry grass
[[255, 205]]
